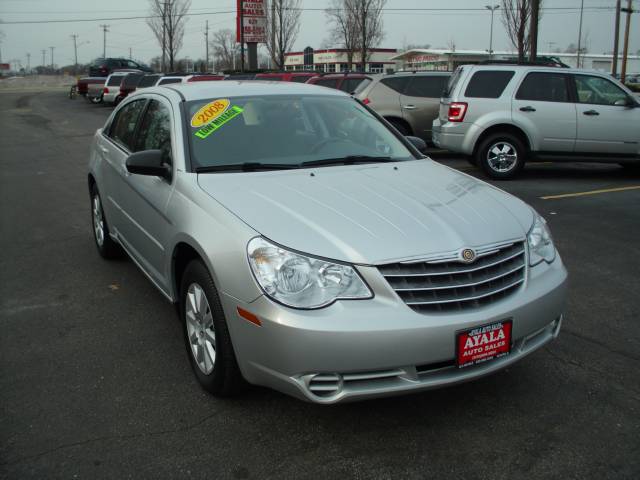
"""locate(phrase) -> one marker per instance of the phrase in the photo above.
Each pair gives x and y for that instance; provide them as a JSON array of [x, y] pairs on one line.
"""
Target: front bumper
[[371, 348]]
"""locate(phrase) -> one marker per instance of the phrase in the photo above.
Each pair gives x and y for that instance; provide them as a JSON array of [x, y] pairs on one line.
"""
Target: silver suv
[[503, 115], [408, 100]]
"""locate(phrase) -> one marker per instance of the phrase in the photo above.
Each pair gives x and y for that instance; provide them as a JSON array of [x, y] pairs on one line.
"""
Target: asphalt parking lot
[[95, 381]]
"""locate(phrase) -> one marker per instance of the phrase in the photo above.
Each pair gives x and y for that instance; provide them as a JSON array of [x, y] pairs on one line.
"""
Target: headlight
[[540, 242], [300, 281]]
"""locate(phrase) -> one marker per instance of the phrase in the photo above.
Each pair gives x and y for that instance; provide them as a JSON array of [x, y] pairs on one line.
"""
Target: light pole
[[492, 9]]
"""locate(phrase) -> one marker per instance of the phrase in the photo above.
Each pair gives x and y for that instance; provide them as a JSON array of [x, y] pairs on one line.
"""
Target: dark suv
[[102, 67]]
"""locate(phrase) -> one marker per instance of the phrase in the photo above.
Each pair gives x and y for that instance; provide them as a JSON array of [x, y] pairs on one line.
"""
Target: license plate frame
[[483, 343]]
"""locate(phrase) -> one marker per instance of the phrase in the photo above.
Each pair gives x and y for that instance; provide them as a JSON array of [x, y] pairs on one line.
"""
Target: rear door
[[542, 107], [605, 123], [146, 227], [420, 102]]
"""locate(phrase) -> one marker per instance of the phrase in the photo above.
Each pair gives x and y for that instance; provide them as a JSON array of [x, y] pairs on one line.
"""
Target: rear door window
[[166, 81], [124, 124], [115, 80], [427, 86], [544, 87], [488, 83], [349, 85], [300, 78], [399, 84], [328, 82]]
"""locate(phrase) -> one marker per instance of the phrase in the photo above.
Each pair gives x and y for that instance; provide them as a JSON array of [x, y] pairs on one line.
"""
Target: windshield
[[286, 130]]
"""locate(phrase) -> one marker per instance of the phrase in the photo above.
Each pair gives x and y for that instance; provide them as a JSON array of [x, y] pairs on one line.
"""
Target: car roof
[[537, 68], [241, 88]]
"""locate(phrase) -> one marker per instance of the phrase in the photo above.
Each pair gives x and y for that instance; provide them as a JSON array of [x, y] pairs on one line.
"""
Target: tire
[[95, 100], [632, 167], [501, 156], [107, 248], [206, 335], [398, 125]]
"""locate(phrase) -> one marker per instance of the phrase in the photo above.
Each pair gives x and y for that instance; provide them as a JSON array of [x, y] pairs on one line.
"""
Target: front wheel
[[206, 334], [501, 156], [95, 100]]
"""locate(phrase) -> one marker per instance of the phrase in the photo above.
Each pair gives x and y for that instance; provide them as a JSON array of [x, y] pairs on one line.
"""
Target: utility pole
[[580, 35], [492, 9], [130, 58], [616, 40], [28, 62], [164, 36], [242, 36], [625, 49], [52, 58], [206, 43], [105, 29], [533, 30], [44, 52], [75, 52]]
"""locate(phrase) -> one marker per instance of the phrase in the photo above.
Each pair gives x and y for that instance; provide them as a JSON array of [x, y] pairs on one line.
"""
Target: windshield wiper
[[348, 160], [245, 167]]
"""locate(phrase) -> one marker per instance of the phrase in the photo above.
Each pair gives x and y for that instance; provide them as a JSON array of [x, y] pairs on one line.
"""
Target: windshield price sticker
[[482, 344], [219, 121], [209, 112]]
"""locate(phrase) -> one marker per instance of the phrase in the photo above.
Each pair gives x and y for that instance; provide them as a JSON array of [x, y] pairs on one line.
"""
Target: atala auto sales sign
[[481, 344], [254, 21]]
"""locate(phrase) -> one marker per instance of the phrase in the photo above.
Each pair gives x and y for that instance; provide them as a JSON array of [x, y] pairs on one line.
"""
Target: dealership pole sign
[[252, 15]]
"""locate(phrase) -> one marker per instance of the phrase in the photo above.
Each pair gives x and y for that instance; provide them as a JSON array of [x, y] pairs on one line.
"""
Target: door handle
[[103, 149], [409, 107], [528, 108], [591, 113]]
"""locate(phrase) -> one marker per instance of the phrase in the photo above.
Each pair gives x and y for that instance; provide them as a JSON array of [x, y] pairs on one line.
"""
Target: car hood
[[374, 213]]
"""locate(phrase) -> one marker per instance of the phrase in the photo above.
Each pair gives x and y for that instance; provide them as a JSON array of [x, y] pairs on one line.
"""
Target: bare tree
[[226, 51], [344, 28], [283, 25], [167, 19], [516, 16], [368, 18]]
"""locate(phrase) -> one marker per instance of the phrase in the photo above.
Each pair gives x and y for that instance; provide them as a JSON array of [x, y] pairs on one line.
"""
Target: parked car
[[334, 262], [503, 115], [96, 90], [299, 77], [130, 84], [166, 80], [149, 80], [202, 77], [347, 82], [87, 86], [111, 92], [103, 67], [409, 101]]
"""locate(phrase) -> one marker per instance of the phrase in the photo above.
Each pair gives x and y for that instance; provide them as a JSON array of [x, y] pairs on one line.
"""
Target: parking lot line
[[591, 192]]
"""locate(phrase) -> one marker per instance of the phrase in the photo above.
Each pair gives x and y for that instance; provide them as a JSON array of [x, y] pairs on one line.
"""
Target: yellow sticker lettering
[[209, 112]]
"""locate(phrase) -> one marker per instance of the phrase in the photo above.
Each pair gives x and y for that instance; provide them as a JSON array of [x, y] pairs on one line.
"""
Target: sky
[[468, 29]]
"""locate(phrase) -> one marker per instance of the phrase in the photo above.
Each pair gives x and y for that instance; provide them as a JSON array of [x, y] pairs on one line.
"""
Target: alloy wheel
[[200, 328], [502, 157], [98, 220]]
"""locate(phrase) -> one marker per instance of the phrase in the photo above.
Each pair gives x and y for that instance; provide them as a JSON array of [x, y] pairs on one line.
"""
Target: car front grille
[[448, 284]]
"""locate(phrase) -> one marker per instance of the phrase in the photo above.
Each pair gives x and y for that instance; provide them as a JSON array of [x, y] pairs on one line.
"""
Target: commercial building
[[335, 60], [448, 60]]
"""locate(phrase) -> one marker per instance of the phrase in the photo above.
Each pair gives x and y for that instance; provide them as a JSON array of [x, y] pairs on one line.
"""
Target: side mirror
[[627, 102], [148, 162], [420, 144]]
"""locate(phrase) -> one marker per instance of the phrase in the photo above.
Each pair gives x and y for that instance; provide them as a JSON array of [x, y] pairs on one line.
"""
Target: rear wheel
[[104, 243], [206, 334], [501, 156], [95, 100]]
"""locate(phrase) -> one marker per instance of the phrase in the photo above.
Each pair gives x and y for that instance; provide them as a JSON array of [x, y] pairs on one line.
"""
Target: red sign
[[5, 66], [254, 21], [481, 344]]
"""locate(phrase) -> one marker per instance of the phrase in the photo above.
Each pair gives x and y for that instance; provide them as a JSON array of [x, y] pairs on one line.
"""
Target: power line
[[78, 20]]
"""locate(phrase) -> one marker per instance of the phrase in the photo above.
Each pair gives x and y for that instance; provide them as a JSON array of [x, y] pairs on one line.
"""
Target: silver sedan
[[310, 248]]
